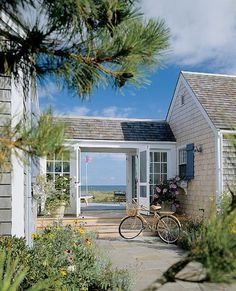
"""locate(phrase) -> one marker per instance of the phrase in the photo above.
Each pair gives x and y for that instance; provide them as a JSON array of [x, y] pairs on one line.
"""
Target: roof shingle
[[116, 129], [217, 94]]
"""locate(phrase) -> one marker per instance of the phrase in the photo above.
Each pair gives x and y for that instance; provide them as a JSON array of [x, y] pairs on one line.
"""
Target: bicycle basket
[[131, 209]]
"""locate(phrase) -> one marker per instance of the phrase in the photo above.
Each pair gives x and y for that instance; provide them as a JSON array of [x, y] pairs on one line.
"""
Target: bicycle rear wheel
[[130, 227], [168, 229]]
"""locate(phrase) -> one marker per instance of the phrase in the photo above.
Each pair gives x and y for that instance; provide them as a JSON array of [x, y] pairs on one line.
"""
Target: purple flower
[[173, 186], [177, 178], [158, 190]]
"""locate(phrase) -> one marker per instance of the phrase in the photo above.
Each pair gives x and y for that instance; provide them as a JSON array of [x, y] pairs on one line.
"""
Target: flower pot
[[58, 211]]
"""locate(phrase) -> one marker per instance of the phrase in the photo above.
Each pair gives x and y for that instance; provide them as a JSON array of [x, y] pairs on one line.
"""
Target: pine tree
[[83, 44]]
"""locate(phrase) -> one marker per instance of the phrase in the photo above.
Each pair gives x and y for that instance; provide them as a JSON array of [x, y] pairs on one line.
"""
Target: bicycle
[[167, 226]]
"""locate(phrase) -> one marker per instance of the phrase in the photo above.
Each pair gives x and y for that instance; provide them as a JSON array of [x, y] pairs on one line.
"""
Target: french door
[[143, 181]]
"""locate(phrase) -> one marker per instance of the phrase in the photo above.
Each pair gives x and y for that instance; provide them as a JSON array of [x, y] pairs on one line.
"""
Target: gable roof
[[116, 129], [217, 95]]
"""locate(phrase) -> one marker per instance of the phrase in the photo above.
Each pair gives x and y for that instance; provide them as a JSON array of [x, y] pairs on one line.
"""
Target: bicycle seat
[[156, 207]]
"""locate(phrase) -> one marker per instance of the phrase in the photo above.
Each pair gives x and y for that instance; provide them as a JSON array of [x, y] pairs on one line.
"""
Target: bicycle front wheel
[[168, 229], [130, 227]]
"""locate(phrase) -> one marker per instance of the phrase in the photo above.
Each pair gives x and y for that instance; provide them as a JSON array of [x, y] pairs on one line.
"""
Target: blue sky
[[203, 37]]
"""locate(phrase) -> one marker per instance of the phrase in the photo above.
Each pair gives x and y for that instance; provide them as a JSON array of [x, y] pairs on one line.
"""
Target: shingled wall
[[5, 177]]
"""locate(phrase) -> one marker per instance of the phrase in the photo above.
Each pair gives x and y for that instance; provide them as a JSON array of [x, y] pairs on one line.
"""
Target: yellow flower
[[63, 272], [88, 242], [34, 236], [81, 231]]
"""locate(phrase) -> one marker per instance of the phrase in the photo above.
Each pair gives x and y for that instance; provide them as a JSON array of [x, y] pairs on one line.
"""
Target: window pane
[[164, 157], [50, 167], [143, 167], [58, 167], [156, 179], [66, 167], [163, 177], [164, 168], [156, 157], [143, 192], [151, 157], [151, 168], [157, 168]]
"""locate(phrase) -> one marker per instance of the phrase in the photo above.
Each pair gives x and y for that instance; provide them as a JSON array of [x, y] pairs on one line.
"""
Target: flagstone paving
[[147, 259]]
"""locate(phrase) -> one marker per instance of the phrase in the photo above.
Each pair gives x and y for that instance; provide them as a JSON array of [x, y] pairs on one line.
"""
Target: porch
[[149, 147]]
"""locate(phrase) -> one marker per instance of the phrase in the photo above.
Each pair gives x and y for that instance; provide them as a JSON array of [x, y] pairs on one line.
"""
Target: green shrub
[[69, 257]]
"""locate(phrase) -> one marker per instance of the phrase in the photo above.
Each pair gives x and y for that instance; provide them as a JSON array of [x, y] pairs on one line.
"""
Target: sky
[[203, 39]]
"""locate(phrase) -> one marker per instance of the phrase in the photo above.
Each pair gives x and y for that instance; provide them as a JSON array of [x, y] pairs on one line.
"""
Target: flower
[[63, 272], [167, 191]]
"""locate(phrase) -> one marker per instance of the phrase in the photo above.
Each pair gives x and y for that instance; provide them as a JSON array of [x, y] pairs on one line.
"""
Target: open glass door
[[78, 182], [143, 187]]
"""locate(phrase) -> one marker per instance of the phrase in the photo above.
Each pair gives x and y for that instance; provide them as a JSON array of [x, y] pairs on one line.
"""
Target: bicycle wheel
[[168, 229], [130, 227]]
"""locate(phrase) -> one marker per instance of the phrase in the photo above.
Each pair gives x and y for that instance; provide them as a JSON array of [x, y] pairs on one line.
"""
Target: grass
[[99, 196]]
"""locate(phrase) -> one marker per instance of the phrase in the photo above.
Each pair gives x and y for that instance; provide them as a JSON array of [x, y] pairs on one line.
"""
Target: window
[[58, 164], [182, 162], [158, 169]]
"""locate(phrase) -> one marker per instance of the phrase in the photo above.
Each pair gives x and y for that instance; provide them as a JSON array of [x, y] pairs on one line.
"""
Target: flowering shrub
[[167, 192], [68, 257]]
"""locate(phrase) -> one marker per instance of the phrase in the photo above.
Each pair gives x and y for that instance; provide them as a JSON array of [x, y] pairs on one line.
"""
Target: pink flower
[[158, 190], [173, 186], [164, 190], [69, 259], [177, 178], [176, 193]]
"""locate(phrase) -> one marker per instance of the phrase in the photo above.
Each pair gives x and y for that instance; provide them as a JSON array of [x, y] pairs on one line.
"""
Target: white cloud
[[203, 31], [111, 111], [114, 111], [75, 111], [48, 90]]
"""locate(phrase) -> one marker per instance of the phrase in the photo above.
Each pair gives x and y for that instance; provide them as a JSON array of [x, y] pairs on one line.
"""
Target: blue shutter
[[190, 161]]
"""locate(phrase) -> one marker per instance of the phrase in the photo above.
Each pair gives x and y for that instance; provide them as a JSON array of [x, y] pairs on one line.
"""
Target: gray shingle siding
[[229, 163], [217, 95], [116, 129], [5, 178]]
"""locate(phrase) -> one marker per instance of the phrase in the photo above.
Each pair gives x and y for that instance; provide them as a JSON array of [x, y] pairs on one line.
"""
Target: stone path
[[146, 259]]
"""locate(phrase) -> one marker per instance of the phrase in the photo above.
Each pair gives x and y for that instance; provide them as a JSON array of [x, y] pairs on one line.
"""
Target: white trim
[[219, 168], [116, 141], [230, 131], [176, 91], [210, 74], [183, 146]]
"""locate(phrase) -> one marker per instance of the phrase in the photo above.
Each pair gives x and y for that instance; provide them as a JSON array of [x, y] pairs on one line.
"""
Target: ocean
[[104, 188]]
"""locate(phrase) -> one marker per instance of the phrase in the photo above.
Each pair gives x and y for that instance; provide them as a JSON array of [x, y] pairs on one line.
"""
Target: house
[[201, 116], [193, 142], [16, 204]]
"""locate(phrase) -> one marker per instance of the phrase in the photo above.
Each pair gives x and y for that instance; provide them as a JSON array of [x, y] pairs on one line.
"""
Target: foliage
[[39, 140], [70, 258], [167, 191], [189, 229], [12, 274], [213, 244], [62, 184], [83, 44], [51, 194]]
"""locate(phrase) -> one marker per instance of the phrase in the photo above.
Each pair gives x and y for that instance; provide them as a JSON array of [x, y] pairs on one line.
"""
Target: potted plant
[[166, 194], [59, 198], [52, 196]]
